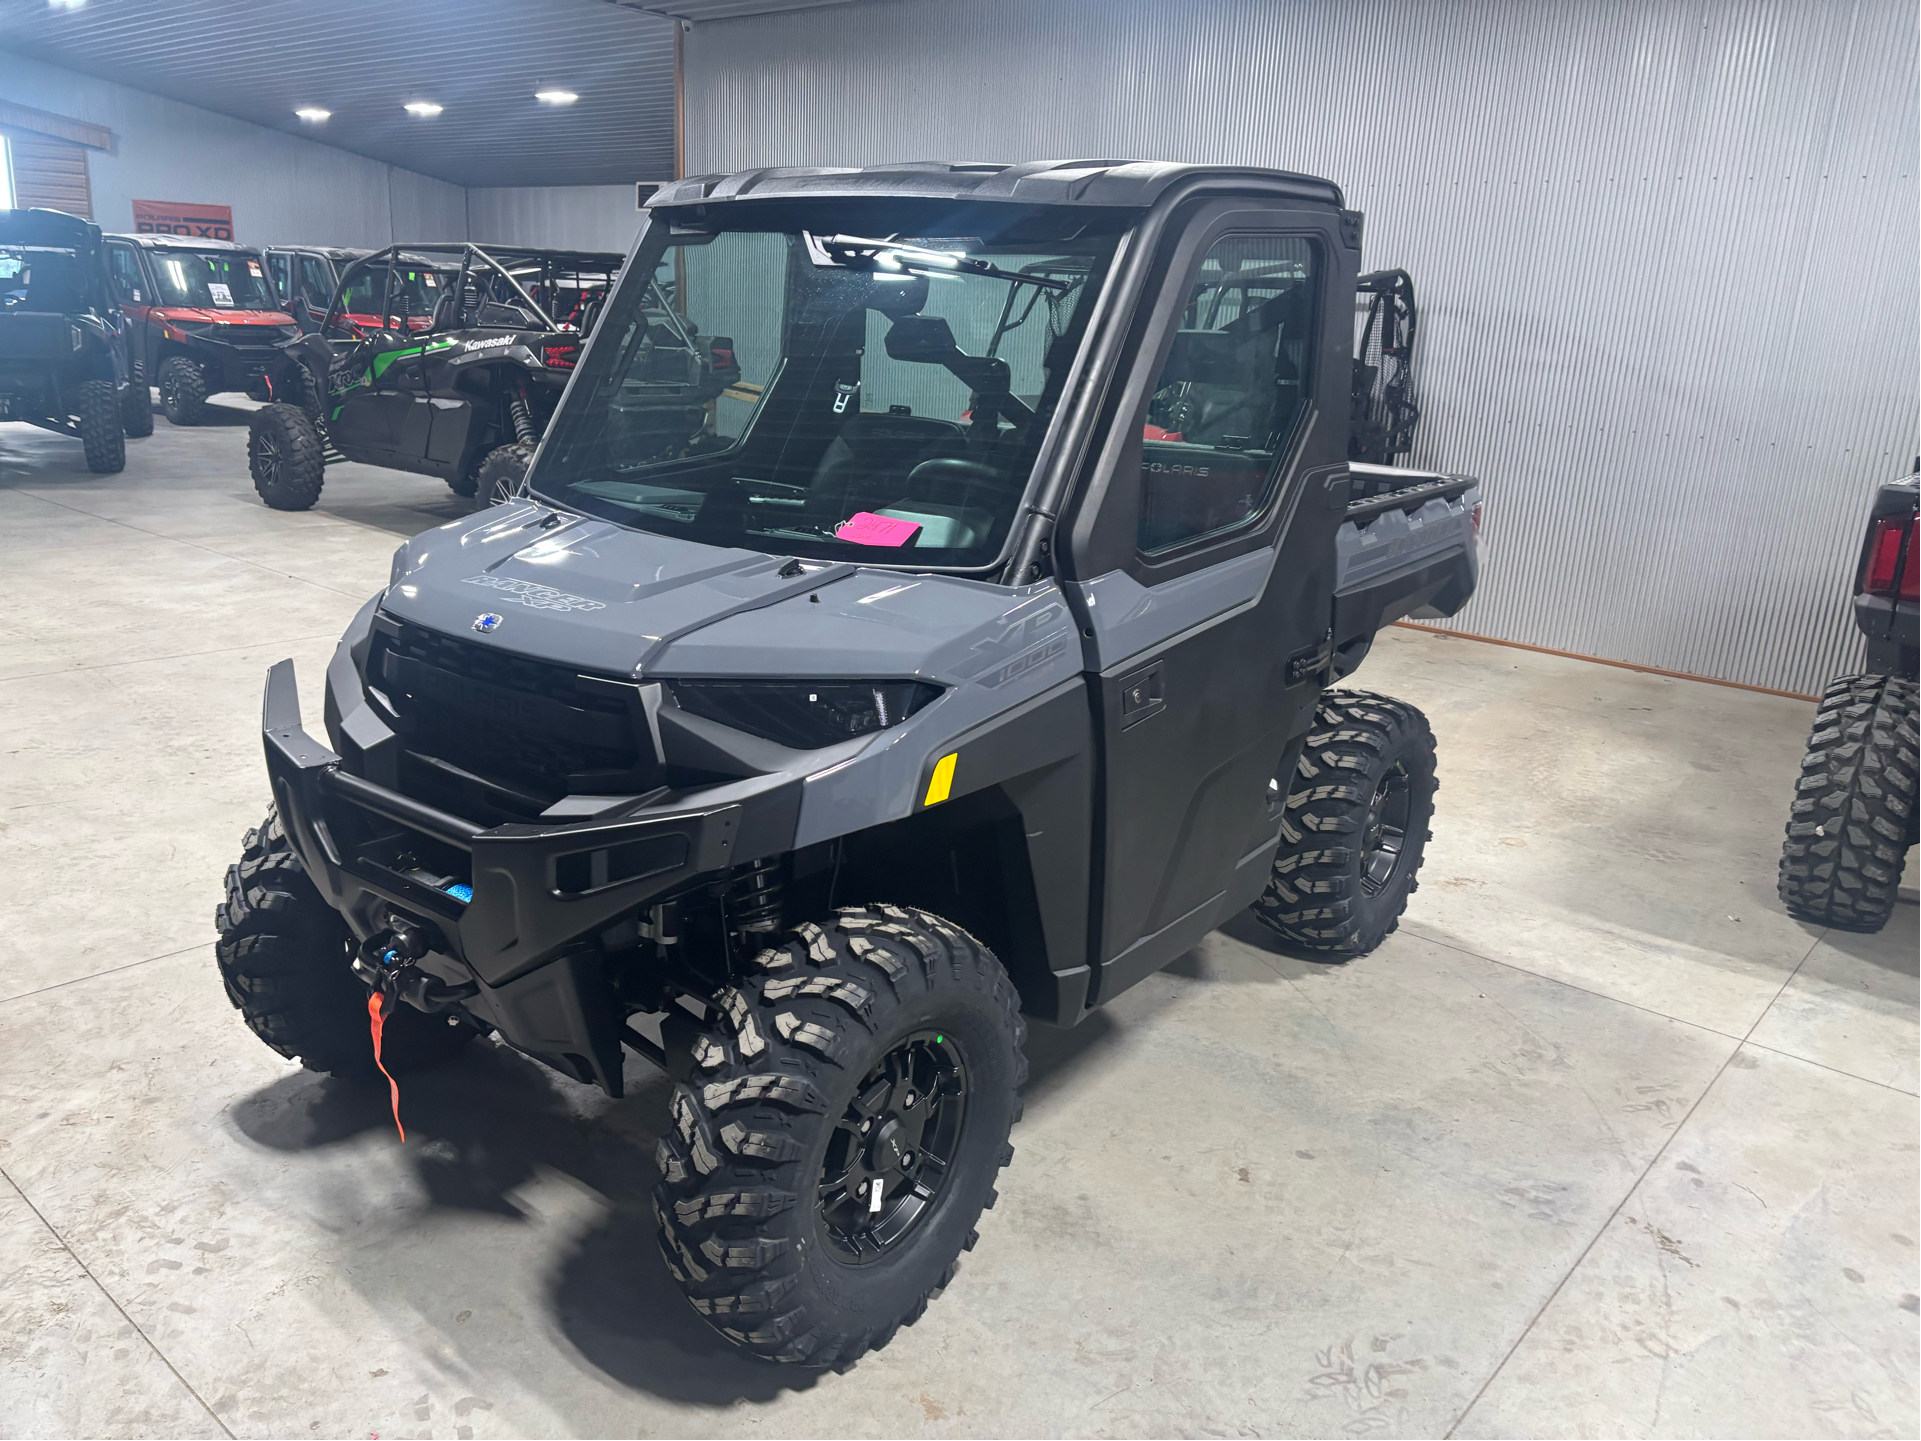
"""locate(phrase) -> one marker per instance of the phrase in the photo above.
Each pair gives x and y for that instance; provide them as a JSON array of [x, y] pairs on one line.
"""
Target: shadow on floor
[[1290, 961], [488, 1123], [215, 417]]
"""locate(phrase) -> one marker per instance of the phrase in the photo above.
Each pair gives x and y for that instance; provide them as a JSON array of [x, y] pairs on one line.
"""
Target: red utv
[[203, 318]]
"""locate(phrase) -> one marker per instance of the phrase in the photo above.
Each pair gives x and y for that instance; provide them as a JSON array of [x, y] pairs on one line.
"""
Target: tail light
[[562, 357], [1891, 570], [1477, 520]]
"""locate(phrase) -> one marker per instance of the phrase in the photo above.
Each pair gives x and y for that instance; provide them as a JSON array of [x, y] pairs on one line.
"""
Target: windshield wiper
[[854, 252]]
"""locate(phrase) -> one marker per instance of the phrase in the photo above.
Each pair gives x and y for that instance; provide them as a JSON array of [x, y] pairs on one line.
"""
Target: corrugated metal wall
[[592, 217], [1666, 250]]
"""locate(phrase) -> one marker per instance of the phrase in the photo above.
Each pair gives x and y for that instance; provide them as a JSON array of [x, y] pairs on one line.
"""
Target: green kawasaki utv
[[444, 360]]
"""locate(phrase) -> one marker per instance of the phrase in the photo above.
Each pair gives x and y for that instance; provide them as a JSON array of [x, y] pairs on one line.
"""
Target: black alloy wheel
[[877, 1048], [888, 1155], [1384, 832]]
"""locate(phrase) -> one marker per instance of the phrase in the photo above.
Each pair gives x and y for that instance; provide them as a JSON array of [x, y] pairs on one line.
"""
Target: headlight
[[804, 714]]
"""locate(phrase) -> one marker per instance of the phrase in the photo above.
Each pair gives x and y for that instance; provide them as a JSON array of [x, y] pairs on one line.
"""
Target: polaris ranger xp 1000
[[961, 663], [202, 319]]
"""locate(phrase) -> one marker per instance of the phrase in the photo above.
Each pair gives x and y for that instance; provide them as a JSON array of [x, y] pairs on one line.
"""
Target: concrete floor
[[1600, 1144]]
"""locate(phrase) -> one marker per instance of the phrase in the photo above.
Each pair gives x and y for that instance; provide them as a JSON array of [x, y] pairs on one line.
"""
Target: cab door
[[134, 294], [1201, 561], [372, 414]]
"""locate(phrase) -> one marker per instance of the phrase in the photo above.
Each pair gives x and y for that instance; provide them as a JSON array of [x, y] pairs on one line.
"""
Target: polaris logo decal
[[536, 596], [489, 344], [486, 622]]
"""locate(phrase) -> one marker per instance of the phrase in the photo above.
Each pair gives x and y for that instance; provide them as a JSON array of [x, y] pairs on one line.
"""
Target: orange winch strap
[[376, 1018]]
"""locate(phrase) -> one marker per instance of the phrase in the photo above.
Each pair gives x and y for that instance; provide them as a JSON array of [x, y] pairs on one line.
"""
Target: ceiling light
[[555, 97], [65, 4], [423, 107], [312, 112]]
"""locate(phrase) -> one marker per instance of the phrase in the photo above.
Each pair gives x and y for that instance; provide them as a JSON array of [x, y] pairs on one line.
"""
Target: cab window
[[315, 282], [1233, 388], [123, 266]]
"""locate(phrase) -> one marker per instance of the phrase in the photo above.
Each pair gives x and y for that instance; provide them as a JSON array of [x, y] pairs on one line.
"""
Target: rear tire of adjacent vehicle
[[1354, 827], [285, 957], [499, 474], [100, 433], [183, 391], [285, 457], [1854, 811], [136, 410], [885, 1043]]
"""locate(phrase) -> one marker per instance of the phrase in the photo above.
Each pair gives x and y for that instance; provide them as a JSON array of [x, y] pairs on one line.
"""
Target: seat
[[869, 462]]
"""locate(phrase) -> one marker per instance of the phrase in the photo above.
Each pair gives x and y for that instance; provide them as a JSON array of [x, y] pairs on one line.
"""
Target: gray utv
[[960, 664]]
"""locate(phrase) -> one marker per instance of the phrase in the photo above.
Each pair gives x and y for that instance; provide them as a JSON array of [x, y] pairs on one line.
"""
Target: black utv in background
[[922, 618], [202, 318], [63, 359], [1853, 820], [444, 360]]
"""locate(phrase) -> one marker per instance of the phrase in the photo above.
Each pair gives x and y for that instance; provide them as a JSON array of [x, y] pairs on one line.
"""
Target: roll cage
[[497, 264]]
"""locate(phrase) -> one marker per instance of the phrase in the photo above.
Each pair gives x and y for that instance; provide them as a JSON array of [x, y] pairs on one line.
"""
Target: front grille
[[494, 736]]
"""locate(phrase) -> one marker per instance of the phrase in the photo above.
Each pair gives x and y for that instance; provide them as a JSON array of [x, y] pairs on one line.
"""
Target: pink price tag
[[866, 528]]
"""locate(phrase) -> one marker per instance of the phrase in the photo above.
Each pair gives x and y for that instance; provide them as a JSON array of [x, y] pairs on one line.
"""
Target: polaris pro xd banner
[[178, 217]]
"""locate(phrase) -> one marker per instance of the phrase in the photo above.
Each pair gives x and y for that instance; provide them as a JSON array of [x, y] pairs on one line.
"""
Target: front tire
[[286, 959], [882, 1047], [183, 391], [136, 410], [285, 457], [1853, 816], [1354, 827], [99, 411]]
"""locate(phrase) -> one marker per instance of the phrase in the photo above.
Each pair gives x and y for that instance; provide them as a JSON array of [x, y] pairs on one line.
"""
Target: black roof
[[53, 228], [1132, 184], [184, 242], [346, 254]]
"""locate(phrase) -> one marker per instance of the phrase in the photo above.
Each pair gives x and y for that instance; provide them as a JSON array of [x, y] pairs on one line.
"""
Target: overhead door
[[50, 173]]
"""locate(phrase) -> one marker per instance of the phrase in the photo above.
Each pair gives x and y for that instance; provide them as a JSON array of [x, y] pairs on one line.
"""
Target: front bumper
[[536, 889]]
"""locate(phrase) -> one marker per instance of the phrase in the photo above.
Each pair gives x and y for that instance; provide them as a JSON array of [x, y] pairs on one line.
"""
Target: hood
[[221, 317], [593, 595]]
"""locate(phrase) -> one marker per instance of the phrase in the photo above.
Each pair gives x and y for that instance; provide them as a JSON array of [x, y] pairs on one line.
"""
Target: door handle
[[1143, 694]]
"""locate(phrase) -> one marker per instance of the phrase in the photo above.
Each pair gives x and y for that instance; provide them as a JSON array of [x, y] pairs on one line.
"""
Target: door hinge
[[1304, 665]]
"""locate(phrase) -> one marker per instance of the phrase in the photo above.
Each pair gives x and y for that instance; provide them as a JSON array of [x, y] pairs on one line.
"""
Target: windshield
[[38, 277], [212, 279], [793, 385]]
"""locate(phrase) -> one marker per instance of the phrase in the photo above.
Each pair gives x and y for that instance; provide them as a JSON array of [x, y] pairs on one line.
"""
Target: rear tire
[[285, 957], [183, 391], [100, 434], [1354, 827], [285, 457], [499, 474], [1853, 816], [136, 410], [887, 1014]]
